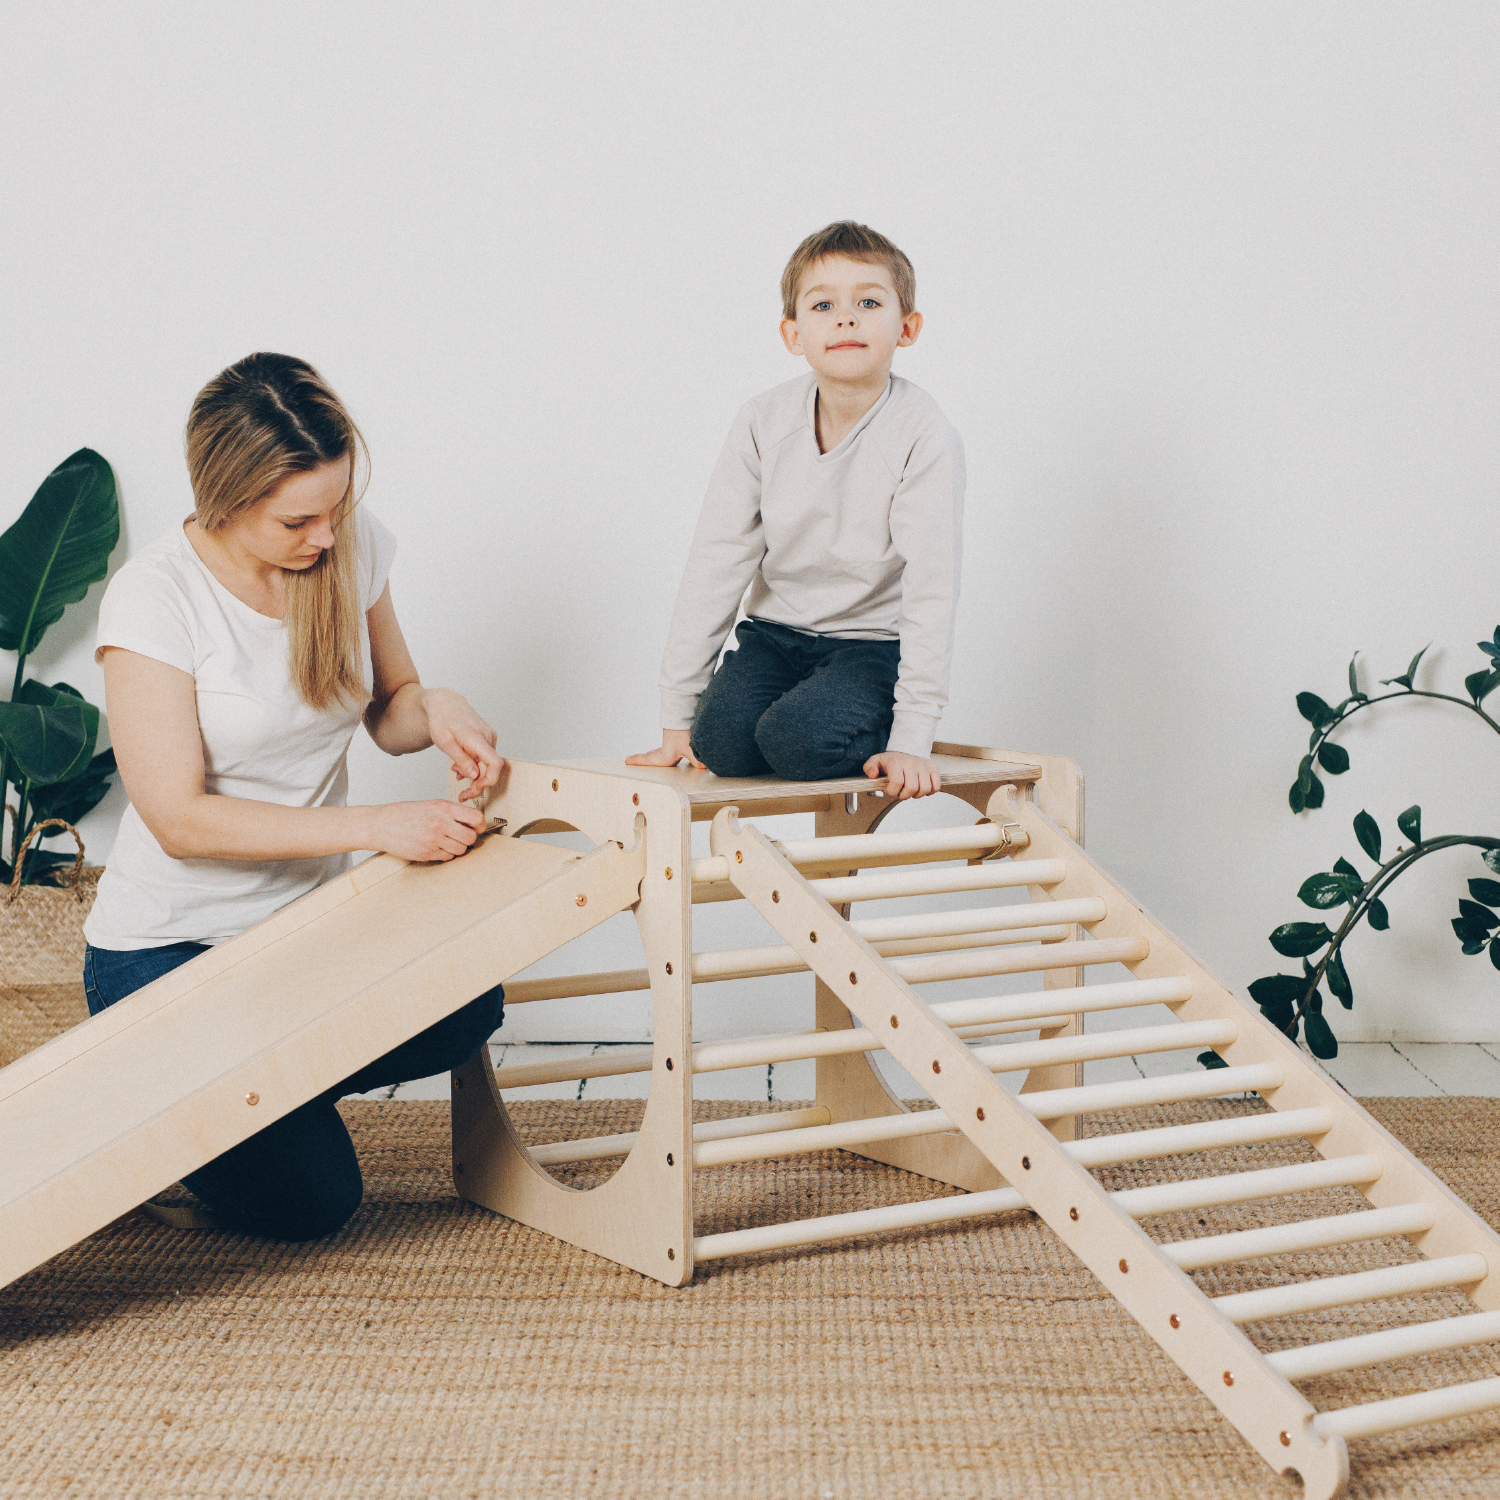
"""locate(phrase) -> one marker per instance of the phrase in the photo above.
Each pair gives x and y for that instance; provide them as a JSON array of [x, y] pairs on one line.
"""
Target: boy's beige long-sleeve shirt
[[863, 543]]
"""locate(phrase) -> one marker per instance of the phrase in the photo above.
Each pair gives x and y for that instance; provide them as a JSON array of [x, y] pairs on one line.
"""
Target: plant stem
[[5, 771], [1377, 883], [1349, 713], [23, 806]]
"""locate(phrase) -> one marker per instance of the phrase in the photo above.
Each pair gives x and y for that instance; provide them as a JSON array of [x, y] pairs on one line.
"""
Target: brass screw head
[[669, 1065], [1286, 1440], [776, 895], [1125, 1265], [554, 786], [1228, 1378], [1025, 1163], [669, 872], [669, 1158], [853, 977], [894, 1023], [581, 900], [669, 968], [252, 1098], [979, 1113], [739, 857], [458, 1082], [635, 799], [671, 1253], [812, 937], [937, 1067], [1073, 1214], [1175, 1321]]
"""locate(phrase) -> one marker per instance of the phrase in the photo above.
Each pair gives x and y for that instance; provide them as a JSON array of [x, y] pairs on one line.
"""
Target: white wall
[[1210, 291]]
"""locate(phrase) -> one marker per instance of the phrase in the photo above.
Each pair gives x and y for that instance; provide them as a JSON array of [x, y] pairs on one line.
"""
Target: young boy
[[838, 501]]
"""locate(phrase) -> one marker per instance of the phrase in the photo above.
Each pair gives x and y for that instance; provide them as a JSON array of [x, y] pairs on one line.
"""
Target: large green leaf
[[1321, 1041], [1487, 891], [1322, 891], [57, 548], [72, 798], [1367, 831], [1293, 939], [49, 732]]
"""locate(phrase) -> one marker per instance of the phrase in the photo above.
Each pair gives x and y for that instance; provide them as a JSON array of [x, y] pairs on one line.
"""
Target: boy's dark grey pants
[[803, 707]]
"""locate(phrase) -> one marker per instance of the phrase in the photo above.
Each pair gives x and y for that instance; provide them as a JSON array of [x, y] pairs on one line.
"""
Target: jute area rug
[[434, 1349]]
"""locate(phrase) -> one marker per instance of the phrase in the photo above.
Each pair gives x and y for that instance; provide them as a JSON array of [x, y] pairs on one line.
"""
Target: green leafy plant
[[49, 558], [1294, 1002]]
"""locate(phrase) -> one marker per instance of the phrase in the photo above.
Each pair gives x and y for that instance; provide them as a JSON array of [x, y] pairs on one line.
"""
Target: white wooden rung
[[998, 875], [980, 919], [1020, 961], [1391, 1343], [1361, 1286], [1211, 1083], [600, 1147], [1244, 1187], [1098, 1045], [1310, 1234], [847, 1226], [863, 850], [1376, 1417]]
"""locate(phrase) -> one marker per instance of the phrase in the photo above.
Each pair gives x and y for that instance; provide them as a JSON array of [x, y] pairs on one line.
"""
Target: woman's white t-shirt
[[261, 741]]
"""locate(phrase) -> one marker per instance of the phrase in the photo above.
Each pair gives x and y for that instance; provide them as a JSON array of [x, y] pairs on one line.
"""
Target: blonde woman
[[240, 653]]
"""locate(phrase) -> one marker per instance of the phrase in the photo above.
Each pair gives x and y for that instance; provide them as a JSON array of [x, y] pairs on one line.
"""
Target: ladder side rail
[[1457, 1229], [1213, 1352]]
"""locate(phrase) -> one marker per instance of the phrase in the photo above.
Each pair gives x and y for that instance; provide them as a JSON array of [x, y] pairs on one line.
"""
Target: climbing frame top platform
[[766, 795]]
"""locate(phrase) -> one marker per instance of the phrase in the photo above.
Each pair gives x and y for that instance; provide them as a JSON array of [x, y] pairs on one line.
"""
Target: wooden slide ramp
[[98, 1120], [1010, 1149]]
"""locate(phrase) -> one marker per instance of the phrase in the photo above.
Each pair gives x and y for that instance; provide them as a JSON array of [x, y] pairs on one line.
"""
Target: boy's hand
[[905, 775], [674, 748]]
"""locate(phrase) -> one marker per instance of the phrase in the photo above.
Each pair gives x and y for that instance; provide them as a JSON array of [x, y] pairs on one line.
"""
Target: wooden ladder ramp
[[1017, 1149]]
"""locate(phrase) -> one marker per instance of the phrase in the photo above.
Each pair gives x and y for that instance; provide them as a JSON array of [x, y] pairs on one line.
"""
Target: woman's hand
[[426, 832], [464, 738], [674, 748], [905, 775]]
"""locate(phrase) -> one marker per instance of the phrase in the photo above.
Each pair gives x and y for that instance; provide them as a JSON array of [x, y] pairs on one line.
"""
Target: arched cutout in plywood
[[546, 1042]]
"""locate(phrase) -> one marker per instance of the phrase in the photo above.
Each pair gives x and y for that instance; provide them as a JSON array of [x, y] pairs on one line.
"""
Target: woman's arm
[[403, 716], [153, 721]]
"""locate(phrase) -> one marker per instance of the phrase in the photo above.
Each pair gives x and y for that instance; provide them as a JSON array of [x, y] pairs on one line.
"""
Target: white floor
[[1364, 1068]]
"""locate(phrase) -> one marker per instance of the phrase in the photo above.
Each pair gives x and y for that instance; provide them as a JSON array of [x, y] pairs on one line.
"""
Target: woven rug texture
[[434, 1349]]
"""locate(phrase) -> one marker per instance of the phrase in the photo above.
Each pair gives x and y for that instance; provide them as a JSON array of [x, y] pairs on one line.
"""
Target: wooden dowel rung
[[1246, 1187], [1202, 1135], [1310, 1234], [570, 986], [596, 1148], [863, 850], [1376, 1417], [1367, 1349], [1098, 1045], [980, 919], [847, 1226], [1022, 961], [611, 1065], [1361, 1286], [998, 875], [1053, 1104]]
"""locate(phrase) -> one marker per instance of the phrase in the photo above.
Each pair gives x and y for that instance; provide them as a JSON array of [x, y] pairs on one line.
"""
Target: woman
[[240, 652]]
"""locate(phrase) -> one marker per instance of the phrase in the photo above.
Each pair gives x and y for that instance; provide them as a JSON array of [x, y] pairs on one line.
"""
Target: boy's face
[[849, 322]]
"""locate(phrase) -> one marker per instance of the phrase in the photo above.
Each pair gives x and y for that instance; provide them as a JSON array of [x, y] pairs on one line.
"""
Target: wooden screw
[[581, 900], [252, 1098], [669, 872]]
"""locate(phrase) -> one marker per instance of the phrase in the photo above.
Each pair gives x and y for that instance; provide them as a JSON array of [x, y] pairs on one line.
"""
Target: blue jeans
[[802, 707], [299, 1177]]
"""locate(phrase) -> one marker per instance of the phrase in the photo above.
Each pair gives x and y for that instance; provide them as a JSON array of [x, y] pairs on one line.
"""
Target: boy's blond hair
[[857, 242]]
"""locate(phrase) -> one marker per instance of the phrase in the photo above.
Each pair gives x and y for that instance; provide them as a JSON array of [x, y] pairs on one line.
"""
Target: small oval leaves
[[1322, 891], [1479, 685], [1487, 891], [1410, 823], [1296, 798], [1314, 710], [1495, 952], [1333, 758], [1293, 939], [1321, 1041], [1338, 981], [1314, 797], [1377, 916], [1277, 989], [1367, 831]]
